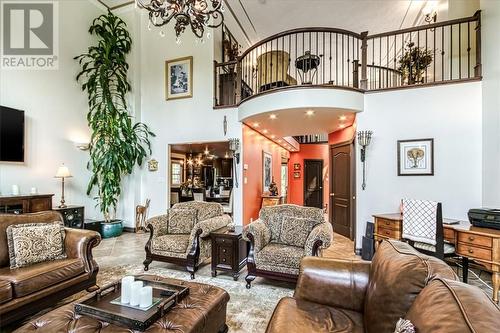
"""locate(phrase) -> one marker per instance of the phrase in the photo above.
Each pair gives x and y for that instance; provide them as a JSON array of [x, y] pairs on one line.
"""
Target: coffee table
[[203, 310]]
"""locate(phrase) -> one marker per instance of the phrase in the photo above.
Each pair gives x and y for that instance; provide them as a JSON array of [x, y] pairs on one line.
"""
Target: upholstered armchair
[[281, 237], [182, 236]]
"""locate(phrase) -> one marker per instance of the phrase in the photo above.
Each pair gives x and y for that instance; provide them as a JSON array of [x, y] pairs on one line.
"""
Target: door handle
[[332, 194]]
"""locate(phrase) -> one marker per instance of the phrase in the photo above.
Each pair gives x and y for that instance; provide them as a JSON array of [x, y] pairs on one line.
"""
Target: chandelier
[[194, 13]]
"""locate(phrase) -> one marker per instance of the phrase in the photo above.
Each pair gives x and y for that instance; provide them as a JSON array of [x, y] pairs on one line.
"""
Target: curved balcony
[[329, 58]]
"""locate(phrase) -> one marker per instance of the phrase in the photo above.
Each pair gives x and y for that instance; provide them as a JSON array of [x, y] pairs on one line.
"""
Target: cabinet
[[229, 251], [22, 204]]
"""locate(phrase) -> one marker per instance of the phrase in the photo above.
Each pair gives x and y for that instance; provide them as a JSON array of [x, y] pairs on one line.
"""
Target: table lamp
[[63, 172]]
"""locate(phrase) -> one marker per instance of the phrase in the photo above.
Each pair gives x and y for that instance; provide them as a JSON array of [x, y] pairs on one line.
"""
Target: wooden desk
[[479, 244]]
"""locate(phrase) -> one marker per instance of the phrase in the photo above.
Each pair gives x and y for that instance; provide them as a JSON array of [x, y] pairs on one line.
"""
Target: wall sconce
[[234, 147], [364, 138], [430, 12]]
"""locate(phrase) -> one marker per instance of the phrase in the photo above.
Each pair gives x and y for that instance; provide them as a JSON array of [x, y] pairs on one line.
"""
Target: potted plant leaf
[[117, 144], [414, 62]]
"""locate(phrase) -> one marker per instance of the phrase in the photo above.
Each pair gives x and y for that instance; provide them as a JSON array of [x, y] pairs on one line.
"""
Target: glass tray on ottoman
[[103, 304]]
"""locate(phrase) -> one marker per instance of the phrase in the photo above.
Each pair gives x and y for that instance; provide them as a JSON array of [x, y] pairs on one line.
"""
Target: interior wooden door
[[313, 183], [342, 189]]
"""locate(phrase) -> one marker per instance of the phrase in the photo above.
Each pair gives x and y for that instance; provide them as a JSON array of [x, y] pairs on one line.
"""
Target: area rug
[[248, 310]]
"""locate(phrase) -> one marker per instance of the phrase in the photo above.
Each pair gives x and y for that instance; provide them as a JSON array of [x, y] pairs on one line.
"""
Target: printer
[[485, 217]]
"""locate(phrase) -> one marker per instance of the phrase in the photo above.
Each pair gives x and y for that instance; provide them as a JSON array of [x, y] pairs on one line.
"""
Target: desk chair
[[228, 207], [423, 228]]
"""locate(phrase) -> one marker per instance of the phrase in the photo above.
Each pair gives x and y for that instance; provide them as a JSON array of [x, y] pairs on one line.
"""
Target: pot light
[[309, 113], [207, 152], [280, 140], [342, 118], [341, 125], [273, 136], [255, 124], [265, 131], [272, 116]]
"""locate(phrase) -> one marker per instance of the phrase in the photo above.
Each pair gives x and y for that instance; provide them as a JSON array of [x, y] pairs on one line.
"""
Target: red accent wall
[[296, 185], [342, 135], [253, 145]]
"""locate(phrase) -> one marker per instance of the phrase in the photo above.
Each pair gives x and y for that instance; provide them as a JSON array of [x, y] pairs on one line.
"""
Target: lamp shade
[[63, 172]]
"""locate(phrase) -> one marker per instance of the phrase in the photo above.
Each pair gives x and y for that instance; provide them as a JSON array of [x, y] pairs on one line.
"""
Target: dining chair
[[228, 207], [199, 196], [174, 198]]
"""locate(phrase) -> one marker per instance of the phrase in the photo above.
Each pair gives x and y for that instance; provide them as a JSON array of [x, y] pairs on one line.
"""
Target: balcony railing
[[436, 53]]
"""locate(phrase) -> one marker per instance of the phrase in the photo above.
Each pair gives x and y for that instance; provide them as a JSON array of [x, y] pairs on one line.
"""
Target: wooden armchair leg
[[146, 263], [249, 278]]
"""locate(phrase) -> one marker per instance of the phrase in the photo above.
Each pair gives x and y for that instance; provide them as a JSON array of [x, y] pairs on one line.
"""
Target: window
[[176, 168]]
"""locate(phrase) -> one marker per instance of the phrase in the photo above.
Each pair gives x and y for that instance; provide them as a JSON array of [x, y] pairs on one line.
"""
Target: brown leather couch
[[356, 296], [26, 290]]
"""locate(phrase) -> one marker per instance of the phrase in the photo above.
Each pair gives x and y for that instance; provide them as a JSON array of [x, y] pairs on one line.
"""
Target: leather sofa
[[357, 296], [27, 290]]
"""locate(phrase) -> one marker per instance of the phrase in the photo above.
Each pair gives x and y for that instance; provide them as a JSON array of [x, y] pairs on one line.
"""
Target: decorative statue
[[141, 213], [273, 188]]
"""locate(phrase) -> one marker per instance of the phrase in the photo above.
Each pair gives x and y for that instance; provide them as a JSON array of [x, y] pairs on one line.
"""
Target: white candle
[[146, 296], [126, 289], [135, 295], [15, 190]]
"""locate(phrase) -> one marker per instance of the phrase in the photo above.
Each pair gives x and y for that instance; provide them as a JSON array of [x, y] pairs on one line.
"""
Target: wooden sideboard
[[479, 244], [21, 204]]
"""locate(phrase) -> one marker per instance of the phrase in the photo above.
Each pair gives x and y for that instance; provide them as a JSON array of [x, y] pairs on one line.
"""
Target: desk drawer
[[388, 224], [473, 252], [449, 235], [389, 233], [475, 239]]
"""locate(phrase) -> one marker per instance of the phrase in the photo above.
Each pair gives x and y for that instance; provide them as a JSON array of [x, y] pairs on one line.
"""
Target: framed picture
[[296, 174], [416, 157], [296, 166], [267, 171], [179, 78]]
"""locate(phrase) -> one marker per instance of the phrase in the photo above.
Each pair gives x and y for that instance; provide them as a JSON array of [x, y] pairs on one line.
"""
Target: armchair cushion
[[206, 210], [280, 258], [32, 243], [321, 232], [212, 224], [295, 230], [181, 221], [260, 232], [171, 243]]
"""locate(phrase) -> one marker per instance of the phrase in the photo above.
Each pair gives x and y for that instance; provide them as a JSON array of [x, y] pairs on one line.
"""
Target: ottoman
[[202, 311]]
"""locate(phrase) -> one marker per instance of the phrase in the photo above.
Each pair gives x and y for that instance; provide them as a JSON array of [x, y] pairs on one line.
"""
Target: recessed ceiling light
[[273, 136], [264, 131], [341, 125], [342, 118], [272, 116], [279, 140], [309, 112], [255, 124]]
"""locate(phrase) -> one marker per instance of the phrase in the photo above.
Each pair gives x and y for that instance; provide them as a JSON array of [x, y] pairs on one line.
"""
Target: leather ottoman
[[203, 310]]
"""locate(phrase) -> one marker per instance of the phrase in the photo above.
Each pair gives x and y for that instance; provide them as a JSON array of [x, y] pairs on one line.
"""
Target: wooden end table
[[229, 251]]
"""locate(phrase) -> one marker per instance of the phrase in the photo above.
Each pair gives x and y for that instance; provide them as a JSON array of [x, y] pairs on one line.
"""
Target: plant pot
[[111, 229]]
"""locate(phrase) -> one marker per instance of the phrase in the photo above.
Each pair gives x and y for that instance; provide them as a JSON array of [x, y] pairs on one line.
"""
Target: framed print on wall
[[267, 171], [416, 157], [179, 78], [296, 166]]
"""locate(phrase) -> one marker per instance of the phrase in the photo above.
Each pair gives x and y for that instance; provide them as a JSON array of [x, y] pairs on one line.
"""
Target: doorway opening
[[313, 183]]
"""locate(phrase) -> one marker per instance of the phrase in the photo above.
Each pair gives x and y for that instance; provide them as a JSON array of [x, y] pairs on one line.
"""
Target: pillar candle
[[135, 295], [146, 296], [15, 190], [126, 289]]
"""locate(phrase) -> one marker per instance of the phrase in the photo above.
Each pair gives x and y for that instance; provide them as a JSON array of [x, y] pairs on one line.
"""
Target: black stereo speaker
[[370, 228], [368, 248]]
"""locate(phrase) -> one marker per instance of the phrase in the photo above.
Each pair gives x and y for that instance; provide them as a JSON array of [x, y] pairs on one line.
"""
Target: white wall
[[179, 121], [491, 102], [55, 110], [451, 114]]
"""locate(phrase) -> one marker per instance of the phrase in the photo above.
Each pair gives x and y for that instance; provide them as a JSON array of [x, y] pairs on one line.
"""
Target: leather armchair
[[189, 250], [27, 290], [354, 296], [277, 258]]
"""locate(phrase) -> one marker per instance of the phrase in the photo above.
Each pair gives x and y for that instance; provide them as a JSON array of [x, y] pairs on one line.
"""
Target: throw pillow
[[404, 326], [275, 228], [181, 221], [295, 230], [32, 243]]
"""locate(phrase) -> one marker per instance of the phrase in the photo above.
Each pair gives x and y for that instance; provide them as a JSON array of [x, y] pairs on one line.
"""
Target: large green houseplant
[[117, 143], [413, 63]]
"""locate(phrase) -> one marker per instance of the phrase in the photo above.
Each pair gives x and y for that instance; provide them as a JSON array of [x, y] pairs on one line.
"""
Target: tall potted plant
[[117, 143], [414, 62]]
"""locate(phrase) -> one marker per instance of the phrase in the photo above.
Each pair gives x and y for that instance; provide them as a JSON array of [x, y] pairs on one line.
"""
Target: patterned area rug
[[249, 310]]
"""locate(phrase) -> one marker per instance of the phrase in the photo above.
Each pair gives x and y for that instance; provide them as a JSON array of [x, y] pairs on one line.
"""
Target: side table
[[229, 251]]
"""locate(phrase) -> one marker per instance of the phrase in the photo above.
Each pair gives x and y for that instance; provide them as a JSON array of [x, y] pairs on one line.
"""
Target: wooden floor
[[342, 248]]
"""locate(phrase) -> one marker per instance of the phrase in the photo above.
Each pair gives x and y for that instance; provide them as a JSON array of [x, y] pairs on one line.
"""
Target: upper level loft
[[325, 58]]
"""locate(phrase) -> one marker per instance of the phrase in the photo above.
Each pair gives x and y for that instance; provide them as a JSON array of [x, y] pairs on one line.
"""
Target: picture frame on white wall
[[179, 78], [416, 157], [267, 171]]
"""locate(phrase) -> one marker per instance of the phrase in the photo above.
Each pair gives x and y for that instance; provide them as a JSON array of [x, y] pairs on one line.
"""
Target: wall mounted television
[[11, 135]]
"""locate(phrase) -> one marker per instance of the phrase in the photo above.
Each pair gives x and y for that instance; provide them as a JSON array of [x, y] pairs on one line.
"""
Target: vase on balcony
[[413, 63]]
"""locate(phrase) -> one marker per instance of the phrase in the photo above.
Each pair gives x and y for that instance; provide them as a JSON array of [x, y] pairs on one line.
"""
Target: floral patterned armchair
[[182, 236], [281, 237]]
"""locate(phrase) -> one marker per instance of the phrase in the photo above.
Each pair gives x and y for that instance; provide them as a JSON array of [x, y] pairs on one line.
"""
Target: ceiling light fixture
[[255, 124], [309, 112], [265, 131], [341, 125], [206, 152], [342, 118], [196, 14], [273, 136], [273, 116]]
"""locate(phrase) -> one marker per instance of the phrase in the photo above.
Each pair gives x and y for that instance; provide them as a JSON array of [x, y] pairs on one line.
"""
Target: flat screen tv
[[11, 135]]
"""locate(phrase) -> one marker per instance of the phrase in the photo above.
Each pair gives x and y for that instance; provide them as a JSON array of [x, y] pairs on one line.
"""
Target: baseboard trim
[[129, 229]]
